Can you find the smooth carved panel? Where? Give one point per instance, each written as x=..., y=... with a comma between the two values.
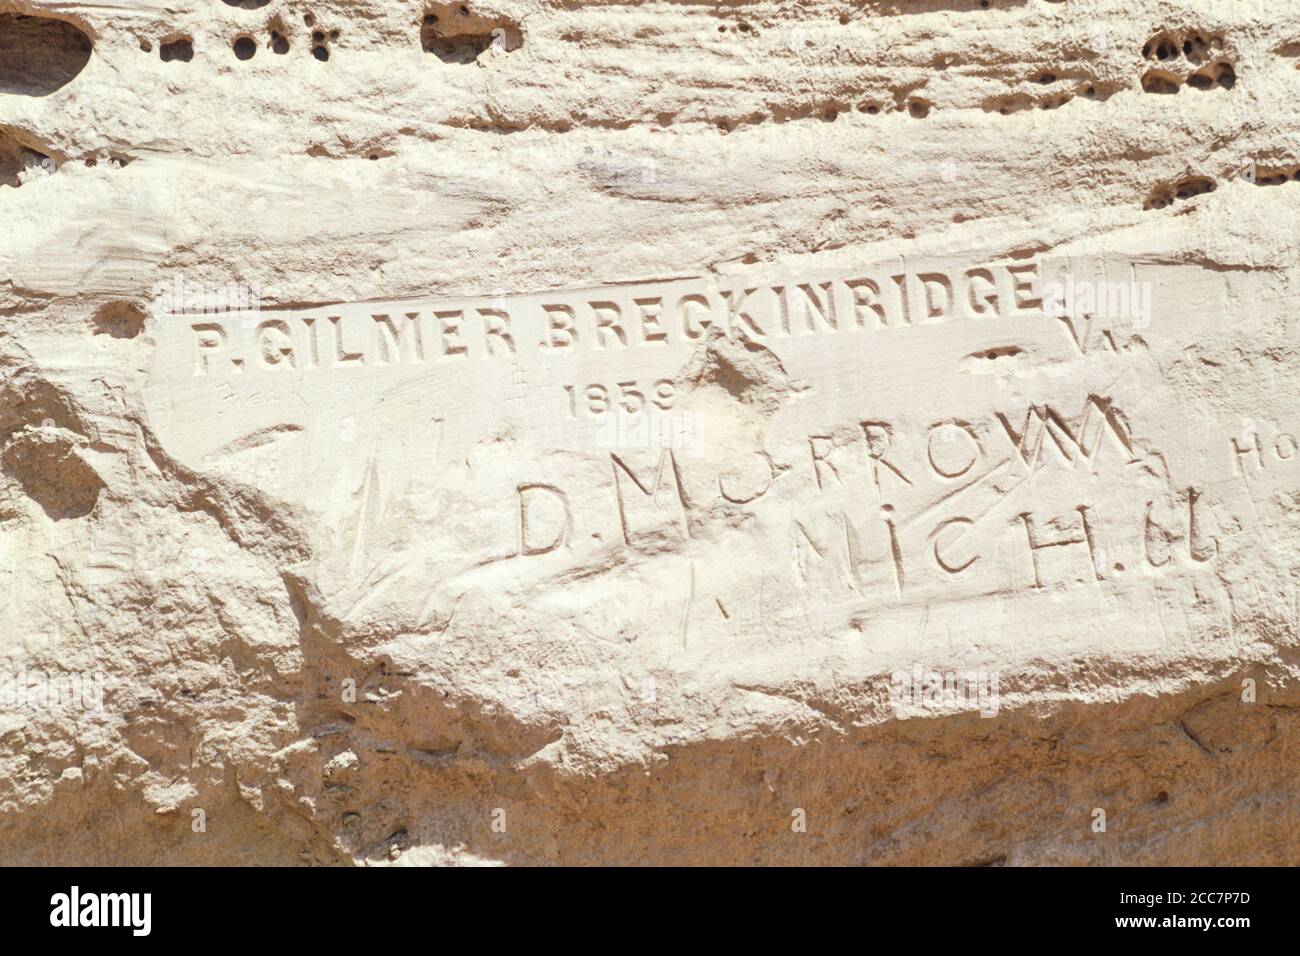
x=894, y=438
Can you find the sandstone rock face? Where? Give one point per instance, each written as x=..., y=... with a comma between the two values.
x=538, y=432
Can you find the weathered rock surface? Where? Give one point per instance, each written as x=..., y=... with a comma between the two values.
x=584, y=432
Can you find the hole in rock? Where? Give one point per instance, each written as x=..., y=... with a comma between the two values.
x=121, y=320
x=278, y=43
x=20, y=160
x=1196, y=48
x=320, y=53
x=1273, y=176
x=39, y=55
x=1006, y=105
x=460, y=36
x=1193, y=186
x=181, y=49
x=246, y=4
x=244, y=48
x=1154, y=81
x=1191, y=45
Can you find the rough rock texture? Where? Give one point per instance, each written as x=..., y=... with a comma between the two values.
x=531, y=431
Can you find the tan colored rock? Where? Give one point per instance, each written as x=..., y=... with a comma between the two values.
x=649, y=433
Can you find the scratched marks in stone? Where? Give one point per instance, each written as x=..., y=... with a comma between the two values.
x=894, y=436
x=1034, y=498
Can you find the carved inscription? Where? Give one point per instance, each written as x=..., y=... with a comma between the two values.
x=616, y=320
x=893, y=436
